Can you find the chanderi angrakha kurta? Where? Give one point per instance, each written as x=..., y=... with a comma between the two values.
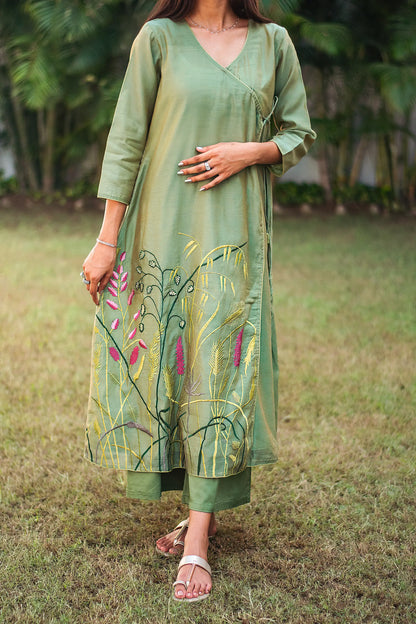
x=184, y=363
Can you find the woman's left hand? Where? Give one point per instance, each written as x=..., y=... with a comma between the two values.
x=225, y=159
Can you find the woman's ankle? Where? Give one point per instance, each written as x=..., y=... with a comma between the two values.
x=212, y=529
x=196, y=544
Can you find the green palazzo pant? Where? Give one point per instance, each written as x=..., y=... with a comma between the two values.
x=199, y=493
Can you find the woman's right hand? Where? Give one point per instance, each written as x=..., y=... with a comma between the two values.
x=98, y=267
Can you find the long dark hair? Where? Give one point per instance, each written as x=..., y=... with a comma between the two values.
x=177, y=10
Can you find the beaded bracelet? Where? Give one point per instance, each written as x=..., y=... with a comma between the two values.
x=105, y=243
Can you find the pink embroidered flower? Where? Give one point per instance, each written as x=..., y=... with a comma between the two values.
x=112, y=291
x=115, y=323
x=123, y=256
x=120, y=269
x=132, y=333
x=115, y=275
x=123, y=287
x=113, y=283
x=134, y=356
x=136, y=316
x=237, y=350
x=130, y=299
x=180, y=367
x=142, y=344
x=114, y=354
x=112, y=304
x=124, y=276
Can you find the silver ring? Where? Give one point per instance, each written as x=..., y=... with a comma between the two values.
x=207, y=166
x=84, y=279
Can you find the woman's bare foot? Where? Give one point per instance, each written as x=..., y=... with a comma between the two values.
x=165, y=543
x=196, y=543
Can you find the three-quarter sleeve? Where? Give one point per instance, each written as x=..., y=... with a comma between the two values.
x=294, y=134
x=127, y=137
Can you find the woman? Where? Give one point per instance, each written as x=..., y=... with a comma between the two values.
x=184, y=369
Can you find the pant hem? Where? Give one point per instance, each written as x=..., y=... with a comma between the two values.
x=218, y=506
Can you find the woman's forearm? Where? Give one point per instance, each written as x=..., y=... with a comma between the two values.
x=266, y=153
x=113, y=216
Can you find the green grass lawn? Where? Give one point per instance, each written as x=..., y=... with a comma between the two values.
x=330, y=533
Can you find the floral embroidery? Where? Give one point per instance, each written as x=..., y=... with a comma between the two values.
x=237, y=350
x=134, y=355
x=114, y=354
x=184, y=407
x=180, y=367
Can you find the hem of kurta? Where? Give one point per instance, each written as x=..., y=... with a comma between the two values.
x=199, y=493
x=258, y=460
x=254, y=461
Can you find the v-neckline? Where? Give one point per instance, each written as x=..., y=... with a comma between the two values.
x=243, y=49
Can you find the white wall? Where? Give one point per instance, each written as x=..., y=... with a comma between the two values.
x=6, y=162
x=305, y=171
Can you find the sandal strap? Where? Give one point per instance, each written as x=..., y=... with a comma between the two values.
x=184, y=583
x=195, y=560
x=183, y=526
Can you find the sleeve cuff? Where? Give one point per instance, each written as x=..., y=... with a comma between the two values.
x=104, y=193
x=292, y=148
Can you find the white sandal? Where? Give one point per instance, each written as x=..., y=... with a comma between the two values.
x=178, y=541
x=194, y=560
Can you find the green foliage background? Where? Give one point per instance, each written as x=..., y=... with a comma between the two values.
x=62, y=63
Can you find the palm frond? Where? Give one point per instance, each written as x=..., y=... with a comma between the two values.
x=403, y=29
x=331, y=38
x=66, y=19
x=398, y=85
x=35, y=78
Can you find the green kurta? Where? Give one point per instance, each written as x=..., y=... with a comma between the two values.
x=184, y=365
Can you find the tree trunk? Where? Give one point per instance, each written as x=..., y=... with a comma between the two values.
x=26, y=166
x=323, y=153
x=341, y=165
x=390, y=163
x=47, y=164
x=19, y=170
x=324, y=177
x=405, y=178
x=25, y=158
x=357, y=161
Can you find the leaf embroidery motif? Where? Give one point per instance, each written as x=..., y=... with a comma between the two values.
x=249, y=353
x=217, y=358
x=167, y=376
x=139, y=370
